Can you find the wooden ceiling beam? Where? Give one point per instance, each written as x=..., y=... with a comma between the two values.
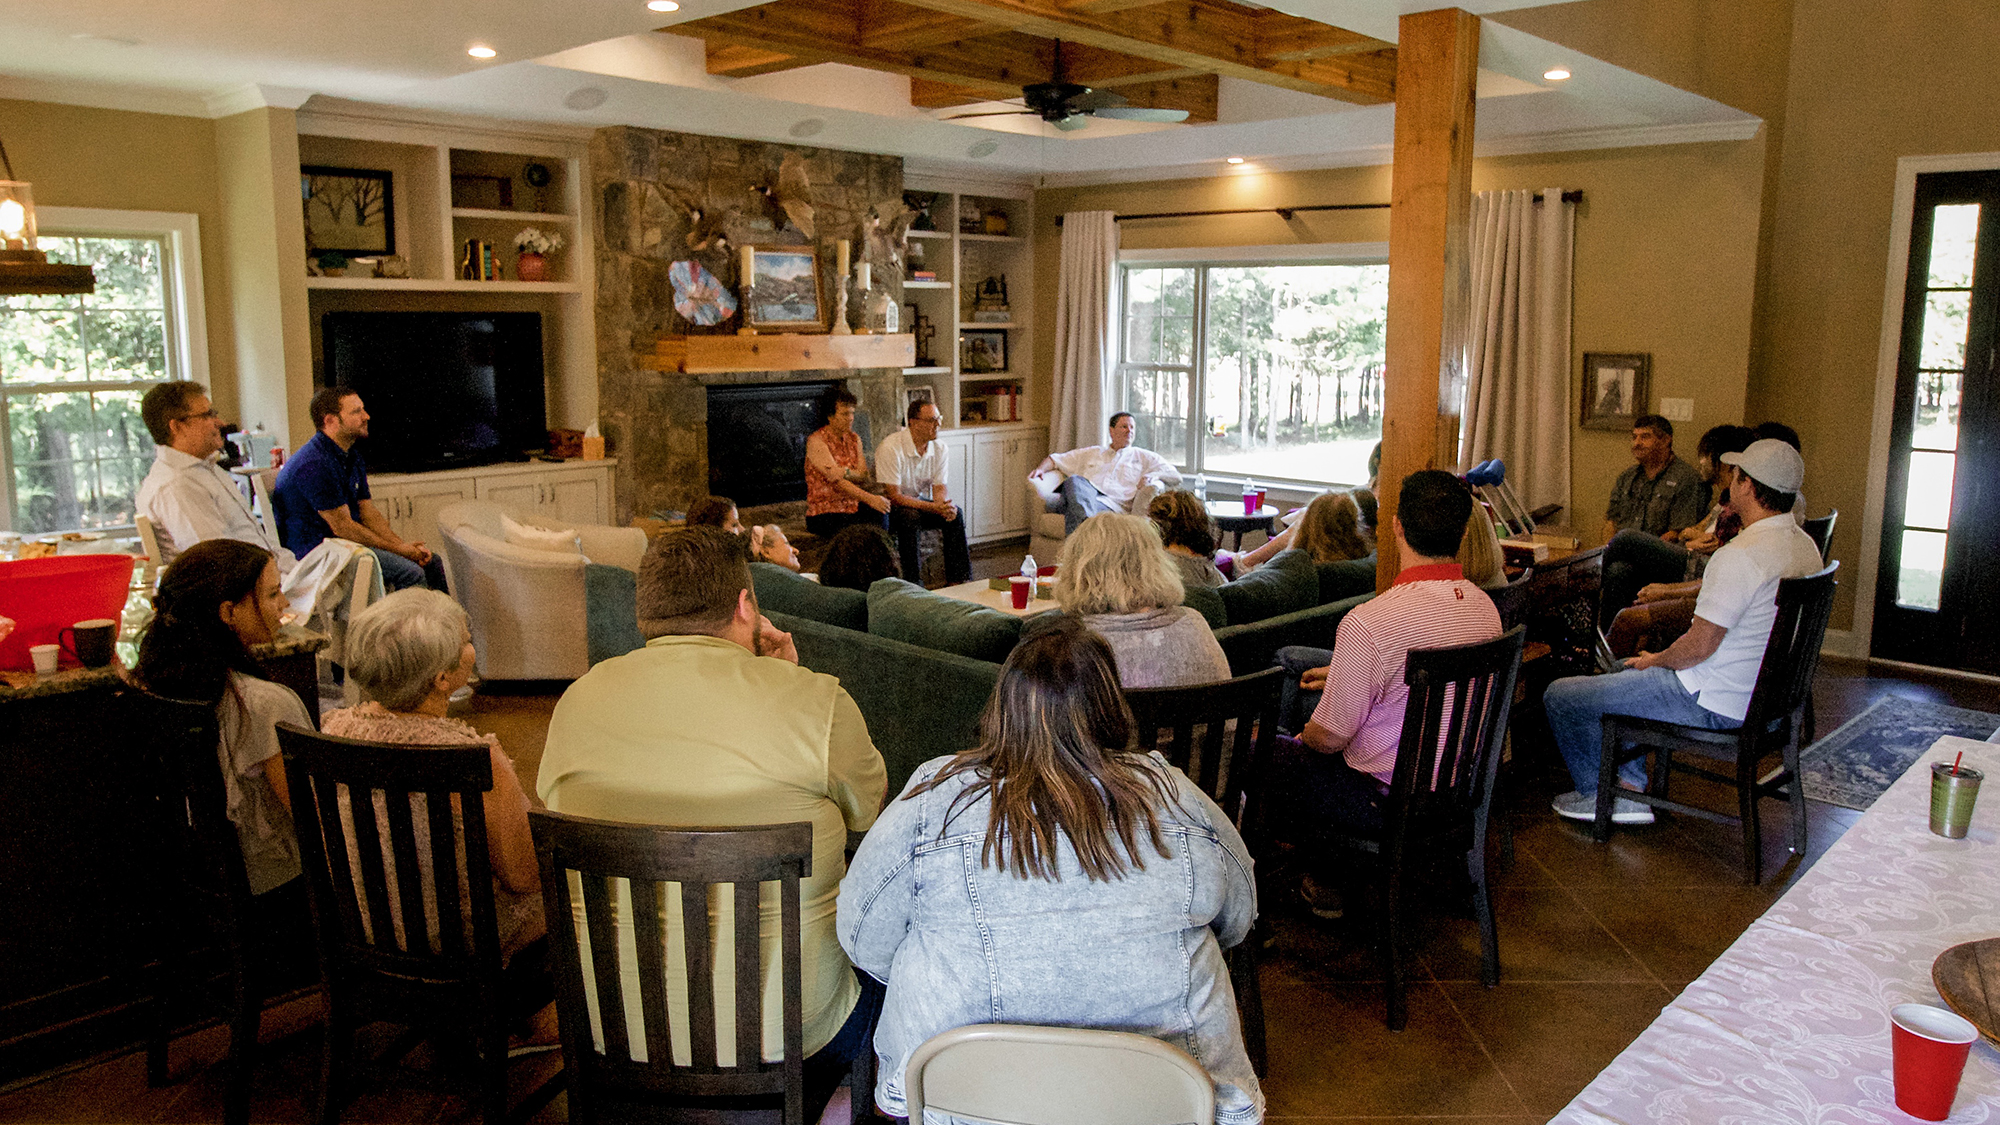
x=996, y=66
x=1100, y=6
x=1195, y=93
x=1193, y=34
x=925, y=94
x=734, y=60
x=1283, y=38
x=903, y=28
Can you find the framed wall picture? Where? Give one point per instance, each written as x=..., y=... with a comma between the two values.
x=983, y=351
x=348, y=210
x=915, y=394
x=784, y=290
x=1614, y=389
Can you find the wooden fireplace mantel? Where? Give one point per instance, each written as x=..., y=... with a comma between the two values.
x=697, y=355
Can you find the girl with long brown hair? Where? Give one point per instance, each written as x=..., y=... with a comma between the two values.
x=1054, y=875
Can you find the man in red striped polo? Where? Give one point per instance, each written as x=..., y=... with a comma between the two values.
x=1359, y=721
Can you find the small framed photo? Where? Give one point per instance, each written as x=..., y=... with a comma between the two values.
x=913, y=395
x=784, y=290
x=983, y=352
x=1614, y=389
x=350, y=211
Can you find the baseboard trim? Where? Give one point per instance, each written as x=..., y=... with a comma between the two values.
x=1926, y=669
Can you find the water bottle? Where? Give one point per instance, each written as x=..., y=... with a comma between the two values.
x=1028, y=567
x=1201, y=487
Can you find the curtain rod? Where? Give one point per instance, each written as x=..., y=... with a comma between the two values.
x=1286, y=213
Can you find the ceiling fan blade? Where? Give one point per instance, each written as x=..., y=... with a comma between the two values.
x=991, y=113
x=1072, y=123
x=1097, y=99
x=1141, y=113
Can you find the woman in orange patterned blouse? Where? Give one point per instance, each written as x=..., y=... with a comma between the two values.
x=836, y=468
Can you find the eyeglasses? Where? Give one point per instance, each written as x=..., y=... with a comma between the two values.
x=210, y=414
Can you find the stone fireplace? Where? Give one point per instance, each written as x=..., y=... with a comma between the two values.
x=647, y=186
x=757, y=440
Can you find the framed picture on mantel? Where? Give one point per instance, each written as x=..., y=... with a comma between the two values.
x=1614, y=389
x=784, y=290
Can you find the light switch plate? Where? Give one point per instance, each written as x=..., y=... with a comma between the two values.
x=1677, y=409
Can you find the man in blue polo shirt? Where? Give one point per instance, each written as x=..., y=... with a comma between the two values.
x=323, y=491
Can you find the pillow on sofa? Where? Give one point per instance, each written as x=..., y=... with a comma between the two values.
x=1288, y=582
x=784, y=591
x=1345, y=579
x=904, y=611
x=1206, y=601
x=539, y=538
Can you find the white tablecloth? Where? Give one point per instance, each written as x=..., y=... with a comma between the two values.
x=1791, y=1024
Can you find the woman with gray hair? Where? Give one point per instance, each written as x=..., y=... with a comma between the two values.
x=408, y=653
x=1116, y=575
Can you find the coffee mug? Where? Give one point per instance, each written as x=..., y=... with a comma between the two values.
x=90, y=641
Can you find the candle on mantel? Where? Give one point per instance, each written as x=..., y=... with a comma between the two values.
x=861, y=277
x=749, y=266
x=840, y=253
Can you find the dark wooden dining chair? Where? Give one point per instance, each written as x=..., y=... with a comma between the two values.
x=204, y=903
x=609, y=1078
x=380, y=959
x=1820, y=529
x=1220, y=735
x=1773, y=725
x=1441, y=794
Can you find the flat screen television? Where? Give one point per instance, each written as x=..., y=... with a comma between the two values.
x=443, y=389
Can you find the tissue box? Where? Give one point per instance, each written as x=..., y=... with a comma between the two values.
x=593, y=448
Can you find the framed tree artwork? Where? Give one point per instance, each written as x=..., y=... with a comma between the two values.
x=349, y=211
x=1614, y=389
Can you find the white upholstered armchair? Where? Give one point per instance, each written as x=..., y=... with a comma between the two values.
x=1046, y=504
x=541, y=612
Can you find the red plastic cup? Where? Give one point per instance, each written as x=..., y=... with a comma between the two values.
x=1023, y=589
x=1930, y=1046
x=1261, y=493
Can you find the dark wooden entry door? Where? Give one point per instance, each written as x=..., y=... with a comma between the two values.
x=1937, y=600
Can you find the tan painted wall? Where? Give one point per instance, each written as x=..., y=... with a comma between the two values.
x=80, y=157
x=1665, y=262
x=258, y=168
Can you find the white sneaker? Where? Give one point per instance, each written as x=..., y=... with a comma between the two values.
x=1575, y=805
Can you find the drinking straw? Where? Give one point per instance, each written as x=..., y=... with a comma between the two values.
x=1955, y=761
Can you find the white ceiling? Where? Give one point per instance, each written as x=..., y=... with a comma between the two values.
x=213, y=57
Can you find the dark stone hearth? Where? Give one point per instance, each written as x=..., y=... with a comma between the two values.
x=657, y=423
x=757, y=440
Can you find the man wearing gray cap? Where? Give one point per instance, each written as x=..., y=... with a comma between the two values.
x=1705, y=678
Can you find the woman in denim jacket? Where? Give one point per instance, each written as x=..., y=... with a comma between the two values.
x=1049, y=876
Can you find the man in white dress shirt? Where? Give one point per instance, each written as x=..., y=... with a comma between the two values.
x=187, y=495
x=1106, y=478
x=910, y=463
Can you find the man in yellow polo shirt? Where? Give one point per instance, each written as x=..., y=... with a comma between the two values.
x=715, y=723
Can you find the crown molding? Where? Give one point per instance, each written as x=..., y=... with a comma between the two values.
x=93, y=95
x=254, y=95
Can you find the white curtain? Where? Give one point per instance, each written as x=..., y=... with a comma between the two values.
x=1517, y=404
x=1085, y=318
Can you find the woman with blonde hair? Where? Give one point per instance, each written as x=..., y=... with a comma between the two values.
x=1189, y=534
x=1116, y=576
x=1479, y=553
x=1056, y=874
x=1331, y=529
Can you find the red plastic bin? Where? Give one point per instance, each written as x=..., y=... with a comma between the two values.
x=44, y=596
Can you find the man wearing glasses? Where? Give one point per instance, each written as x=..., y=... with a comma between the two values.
x=911, y=464
x=186, y=494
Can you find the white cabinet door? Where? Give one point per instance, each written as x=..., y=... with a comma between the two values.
x=421, y=502
x=1015, y=466
x=958, y=476
x=578, y=497
x=989, y=483
x=522, y=495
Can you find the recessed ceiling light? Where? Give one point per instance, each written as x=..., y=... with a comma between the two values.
x=1234, y=160
x=663, y=5
x=586, y=97
x=980, y=150
x=481, y=52
x=1556, y=73
x=808, y=127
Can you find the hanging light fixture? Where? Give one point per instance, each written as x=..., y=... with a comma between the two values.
x=23, y=268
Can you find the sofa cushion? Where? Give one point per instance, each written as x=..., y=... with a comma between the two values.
x=1206, y=601
x=783, y=591
x=904, y=611
x=539, y=538
x=1287, y=583
x=1347, y=578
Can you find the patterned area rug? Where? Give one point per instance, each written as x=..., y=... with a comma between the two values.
x=1853, y=765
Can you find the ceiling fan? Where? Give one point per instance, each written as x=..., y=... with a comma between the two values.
x=1067, y=105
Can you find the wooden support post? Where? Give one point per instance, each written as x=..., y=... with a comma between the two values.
x=1430, y=278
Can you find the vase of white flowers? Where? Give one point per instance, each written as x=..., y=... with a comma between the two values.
x=535, y=246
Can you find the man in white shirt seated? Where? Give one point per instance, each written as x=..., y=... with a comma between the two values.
x=186, y=494
x=1106, y=478
x=910, y=463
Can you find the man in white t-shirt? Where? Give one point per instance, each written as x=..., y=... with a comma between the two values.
x=1706, y=677
x=1106, y=478
x=910, y=464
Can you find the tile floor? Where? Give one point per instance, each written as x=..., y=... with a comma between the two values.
x=1594, y=941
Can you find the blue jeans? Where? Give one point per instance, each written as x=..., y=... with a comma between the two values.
x=1577, y=705
x=1082, y=501
x=1295, y=704
x=1633, y=559
x=399, y=573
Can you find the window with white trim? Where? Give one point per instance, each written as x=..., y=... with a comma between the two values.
x=1264, y=369
x=73, y=368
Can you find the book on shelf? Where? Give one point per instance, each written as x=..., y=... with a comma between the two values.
x=923, y=275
